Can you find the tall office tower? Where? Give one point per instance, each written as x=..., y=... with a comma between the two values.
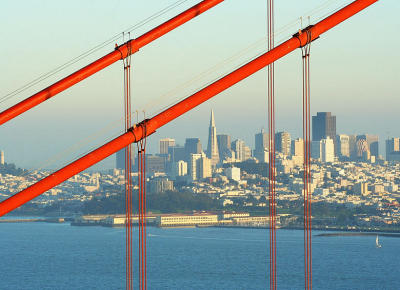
x=193, y=168
x=176, y=153
x=261, y=141
x=362, y=146
x=155, y=163
x=283, y=142
x=224, y=142
x=298, y=147
x=120, y=158
x=353, y=147
x=205, y=165
x=297, y=150
x=192, y=146
x=323, y=126
x=246, y=152
x=212, y=148
x=179, y=168
x=224, y=147
x=372, y=144
x=393, y=149
x=2, y=157
x=238, y=146
x=343, y=146
x=200, y=166
x=327, y=150
x=261, y=146
x=165, y=144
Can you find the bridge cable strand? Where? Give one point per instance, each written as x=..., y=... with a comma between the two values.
x=139, y=154
x=271, y=131
x=140, y=187
x=144, y=201
x=142, y=208
x=128, y=176
x=307, y=158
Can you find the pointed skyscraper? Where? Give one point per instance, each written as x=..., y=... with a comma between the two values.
x=212, y=148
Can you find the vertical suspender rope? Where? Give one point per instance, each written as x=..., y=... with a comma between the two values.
x=144, y=205
x=271, y=137
x=307, y=161
x=139, y=216
x=128, y=176
x=142, y=210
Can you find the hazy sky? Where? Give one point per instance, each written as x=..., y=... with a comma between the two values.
x=355, y=72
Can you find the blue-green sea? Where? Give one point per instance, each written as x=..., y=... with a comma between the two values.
x=60, y=256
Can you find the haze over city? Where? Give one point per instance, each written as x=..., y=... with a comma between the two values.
x=358, y=85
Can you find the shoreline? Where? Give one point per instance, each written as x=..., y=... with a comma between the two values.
x=345, y=230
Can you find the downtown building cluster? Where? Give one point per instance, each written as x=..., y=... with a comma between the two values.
x=191, y=162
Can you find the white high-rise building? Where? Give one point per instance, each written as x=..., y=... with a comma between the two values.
x=2, y=157
x=212, y=148
x=205, y=165
x=297, y=149
x=327, y=150
x=179, y=168
x=193, y=172
x=343, y=146
x=200, y=166
x=242, y=152
x=283, y=142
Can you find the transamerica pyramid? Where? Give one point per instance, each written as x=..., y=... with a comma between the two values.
x=212, y=148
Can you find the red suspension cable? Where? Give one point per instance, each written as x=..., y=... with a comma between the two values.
x=307, y=160
x=271, y=137
x=128, y=176
x=142, y=212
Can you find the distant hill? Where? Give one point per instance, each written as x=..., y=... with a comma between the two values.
x=10, y=168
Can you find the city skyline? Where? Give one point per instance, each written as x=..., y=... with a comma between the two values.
x=342, y=147
x=156, y=146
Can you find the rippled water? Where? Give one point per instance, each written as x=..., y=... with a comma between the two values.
x=60, y=256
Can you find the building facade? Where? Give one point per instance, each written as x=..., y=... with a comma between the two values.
x=165, y=144
x=393, y=149
x=212, y=147
x=283, y=143
x=343, y=146
x=323, y=126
